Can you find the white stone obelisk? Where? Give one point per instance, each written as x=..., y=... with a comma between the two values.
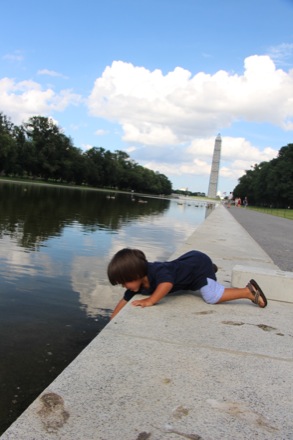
x=214, y=176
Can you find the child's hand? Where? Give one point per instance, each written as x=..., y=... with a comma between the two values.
x=143, y=302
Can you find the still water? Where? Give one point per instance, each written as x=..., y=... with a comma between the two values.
x=55, y=244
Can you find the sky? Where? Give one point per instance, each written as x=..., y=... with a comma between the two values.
x=158, y=79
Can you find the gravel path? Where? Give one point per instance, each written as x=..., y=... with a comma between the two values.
x=273, y=234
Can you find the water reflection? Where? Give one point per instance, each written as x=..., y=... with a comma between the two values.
x=56, y=236
x=30, y=214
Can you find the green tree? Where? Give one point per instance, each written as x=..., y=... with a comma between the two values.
x=280, y=179
x=7, y=145
x=94, y=166
x=39, y=149
x=269, y=183
x=49, y=144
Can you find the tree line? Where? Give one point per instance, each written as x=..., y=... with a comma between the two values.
x=38, y=149
x=269, y=183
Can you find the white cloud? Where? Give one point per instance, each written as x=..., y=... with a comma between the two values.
x=169, y=121
x=241, y=149
x=21, y=262
x=23, y=99
x=51, y=73
x=237, y=155
x=88, y=278
x=282, y=53
x=100, y=132
x=195, y=167
x=16, y=56
x=86, y=147
x=171, y=109
x=130, y=150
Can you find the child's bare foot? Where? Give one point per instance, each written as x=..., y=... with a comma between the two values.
x=258, y=295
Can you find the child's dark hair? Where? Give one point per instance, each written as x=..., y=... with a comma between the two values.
x=127, y=265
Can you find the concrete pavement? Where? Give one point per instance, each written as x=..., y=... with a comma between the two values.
x=181, y=369
x=273, y=234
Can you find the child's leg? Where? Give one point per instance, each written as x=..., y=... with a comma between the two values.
x=215, y=293
x=252, y=291
x=232, y=293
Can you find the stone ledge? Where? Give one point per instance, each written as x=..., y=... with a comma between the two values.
x=276, y=284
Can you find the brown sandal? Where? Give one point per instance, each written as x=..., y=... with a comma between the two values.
x=257, y=292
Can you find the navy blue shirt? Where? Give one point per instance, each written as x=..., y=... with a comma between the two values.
x=188, y=272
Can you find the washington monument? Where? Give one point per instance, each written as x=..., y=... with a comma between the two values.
x=214, y=177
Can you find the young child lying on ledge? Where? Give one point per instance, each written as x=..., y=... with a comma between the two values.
x=192, y=271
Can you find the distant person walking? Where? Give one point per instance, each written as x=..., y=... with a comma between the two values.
x=230, y=198
x=245, y=202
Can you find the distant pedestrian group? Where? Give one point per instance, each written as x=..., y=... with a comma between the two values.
x=237, y=201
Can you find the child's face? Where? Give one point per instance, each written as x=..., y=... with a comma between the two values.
x=134, y=286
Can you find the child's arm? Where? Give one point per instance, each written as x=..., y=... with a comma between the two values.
x=118, y=307
x=162, y=290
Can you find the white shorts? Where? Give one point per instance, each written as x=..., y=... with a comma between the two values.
x=212, y=292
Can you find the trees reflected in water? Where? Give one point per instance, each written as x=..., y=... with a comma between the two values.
x=30, y=213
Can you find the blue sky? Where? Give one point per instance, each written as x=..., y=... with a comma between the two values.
x=158, y=79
